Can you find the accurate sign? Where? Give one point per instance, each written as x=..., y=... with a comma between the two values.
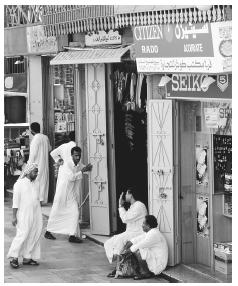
x=192, y=86
x=198, y=48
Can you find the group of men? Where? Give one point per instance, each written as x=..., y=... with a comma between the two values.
x=31, y=191
x=142, y=246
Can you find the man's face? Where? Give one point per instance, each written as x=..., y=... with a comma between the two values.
x=128, y=197
x=145, y=226
x=33, y=174
x=76, y=157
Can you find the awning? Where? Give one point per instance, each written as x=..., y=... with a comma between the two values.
x=89, y=56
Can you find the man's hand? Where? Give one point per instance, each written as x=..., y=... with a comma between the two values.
x=87, y=168
x=60, y=162
x=14, y=221
x=121, y=201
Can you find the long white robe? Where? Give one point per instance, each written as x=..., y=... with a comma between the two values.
x=153, y=248
x=64, y=215
x=39, y=154
x=133, y=218
x=29, y=220
x=63, y=152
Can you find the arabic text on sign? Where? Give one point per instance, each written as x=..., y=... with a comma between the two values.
x=180, y=31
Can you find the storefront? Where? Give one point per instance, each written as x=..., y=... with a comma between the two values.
x=110, y=121
x=23, y=92
x=189, y=137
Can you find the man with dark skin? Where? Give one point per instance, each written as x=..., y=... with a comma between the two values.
x=64, y=214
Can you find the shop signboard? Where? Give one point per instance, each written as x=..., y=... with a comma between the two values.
x=38, y=42
x=199, y=86
x=103, y=38
x=195, y=48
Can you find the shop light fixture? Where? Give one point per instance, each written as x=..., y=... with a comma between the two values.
x=164, y=80
x=19, y=61
x=207, y=82
x=204, y=7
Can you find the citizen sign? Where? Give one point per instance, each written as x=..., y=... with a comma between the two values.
x=188, y=82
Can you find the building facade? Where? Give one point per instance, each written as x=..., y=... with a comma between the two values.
x=147, y=90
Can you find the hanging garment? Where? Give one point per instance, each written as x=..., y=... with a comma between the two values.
x=138, y=89
x=132, y=86
x=143, y=94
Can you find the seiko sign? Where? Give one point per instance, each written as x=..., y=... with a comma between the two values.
x=199, y=86
x=189, y=82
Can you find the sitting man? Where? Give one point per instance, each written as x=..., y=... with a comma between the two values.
x=133, y=218
x=147, y=254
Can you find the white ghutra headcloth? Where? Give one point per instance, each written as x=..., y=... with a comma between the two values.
x=29, y=168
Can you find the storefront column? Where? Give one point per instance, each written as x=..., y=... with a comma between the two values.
x=78, y=119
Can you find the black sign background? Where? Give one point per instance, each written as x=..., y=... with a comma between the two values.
x=222, y=151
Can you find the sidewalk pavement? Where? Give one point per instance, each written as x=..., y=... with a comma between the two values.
x=178, y=274
x=65, y=262
x=61, y=261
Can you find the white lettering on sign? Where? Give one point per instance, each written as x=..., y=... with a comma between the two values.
x=150, y=49
x=181, y=31
x=225, y=112
x=188, y=82
x=193, y=48
x=148, y=32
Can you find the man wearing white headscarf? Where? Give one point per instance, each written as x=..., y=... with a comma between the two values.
x=27, y=218
x=39, y=153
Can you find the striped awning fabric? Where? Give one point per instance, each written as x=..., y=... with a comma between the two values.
x=89, y=56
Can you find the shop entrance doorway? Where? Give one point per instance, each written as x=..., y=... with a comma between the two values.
x=130, y=132
x=195, y=186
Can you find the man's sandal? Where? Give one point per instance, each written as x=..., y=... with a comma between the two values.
x=14, y=263
x=31, y=262
x=112, y=274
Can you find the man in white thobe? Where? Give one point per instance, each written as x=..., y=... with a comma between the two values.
x=133, y=218
x=150, y=248
x=63, y=154
x=64, y=215
x=27, y=218
x=39, y=154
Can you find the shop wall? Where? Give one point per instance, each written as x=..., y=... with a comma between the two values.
x=10, y=46
x=35, y=90
x=155, y=92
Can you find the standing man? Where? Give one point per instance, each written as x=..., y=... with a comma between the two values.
x=39, y=153
x=64, y=215
x=27, y=218
x=133, y=218
x=63, y=153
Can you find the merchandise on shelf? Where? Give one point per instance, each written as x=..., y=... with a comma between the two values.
x=223, y=257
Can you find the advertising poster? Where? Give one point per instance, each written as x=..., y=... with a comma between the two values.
x=201, y=166
x=202, y=216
